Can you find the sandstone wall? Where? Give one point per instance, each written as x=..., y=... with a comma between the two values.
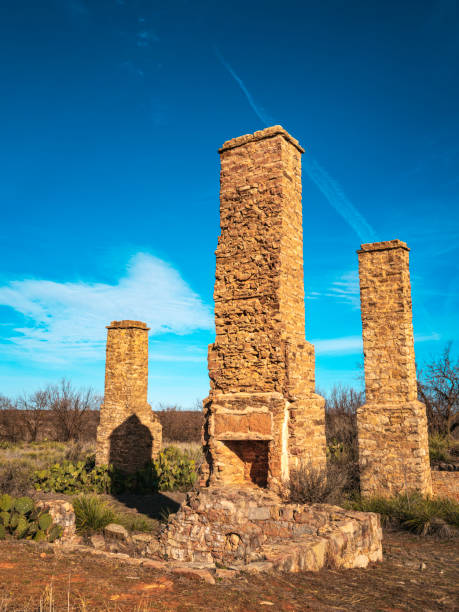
x=446, y=484
x=260, y=362
x=392, y=425
x=129, y=434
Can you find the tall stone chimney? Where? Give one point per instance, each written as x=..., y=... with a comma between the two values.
x=262, y=415
x=392, y=425
x=129, y=434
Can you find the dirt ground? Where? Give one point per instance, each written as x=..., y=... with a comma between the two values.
x=418, y=573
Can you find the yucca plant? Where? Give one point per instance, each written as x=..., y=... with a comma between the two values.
x=413, y=511
x=92, y=513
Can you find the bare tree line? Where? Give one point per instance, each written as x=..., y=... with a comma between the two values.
x=61, y=406
x=67, y=411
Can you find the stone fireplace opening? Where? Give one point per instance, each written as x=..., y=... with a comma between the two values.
x=249, y=460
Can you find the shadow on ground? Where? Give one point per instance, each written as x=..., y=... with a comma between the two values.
x=157, y=506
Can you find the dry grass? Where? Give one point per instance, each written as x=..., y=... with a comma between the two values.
x=309, y=485
x=18, y=461
x=48, y=602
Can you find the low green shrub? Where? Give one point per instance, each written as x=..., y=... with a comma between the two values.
x=92, y=513
x=413, y=512
x=68, y=477
x=439, y=448
x=172, y=470
x=135, y=522
x=21, y=519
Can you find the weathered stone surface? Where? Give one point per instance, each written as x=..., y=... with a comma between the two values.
x=196, y=574
x=262, y=415
x=63, y=515
x=129, y=433
x=97, y=541
x=446, y=484
x=392, y=425
x=242, y=527
x=112, y=530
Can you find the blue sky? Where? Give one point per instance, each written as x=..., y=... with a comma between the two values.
x=112, y=113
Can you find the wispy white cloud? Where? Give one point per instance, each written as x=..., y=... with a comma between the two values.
x=347, y=345
x=66, y=321
x=333, y=192
x=346, y=289
x=352, y=345
x=329, y=188
x=427, y=337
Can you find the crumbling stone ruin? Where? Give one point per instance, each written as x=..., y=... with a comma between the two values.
x=262, y=414
x=392, y=425
x=129, y=434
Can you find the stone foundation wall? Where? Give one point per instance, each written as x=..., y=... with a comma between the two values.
x=446, y=484
x=129, y=434
x=244, y=527
x=392, y=425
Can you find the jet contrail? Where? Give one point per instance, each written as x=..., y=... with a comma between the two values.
x=334, y=194
x=264, y=118
x=320, y=177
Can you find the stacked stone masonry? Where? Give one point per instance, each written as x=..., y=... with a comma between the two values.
x=446, y=484
x=260, y=366
x=129, y=434
x=252, y=528
x=392, y=425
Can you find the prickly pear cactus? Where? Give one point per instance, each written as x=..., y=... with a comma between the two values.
x=54, y=533
x=21, y=519
x=6, y=502
x=14, y=518
x=45, y=521
x=40, y=536
x=22, y=528
x=24, y=505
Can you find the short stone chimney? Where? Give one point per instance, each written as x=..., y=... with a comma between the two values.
x=129, y=434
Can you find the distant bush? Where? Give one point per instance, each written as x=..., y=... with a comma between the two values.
x=438, y=389
x=423, y=515
x=181, y=425
x=20, y=518
x=15, y=478
x=439, y=448
x=309, y=485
